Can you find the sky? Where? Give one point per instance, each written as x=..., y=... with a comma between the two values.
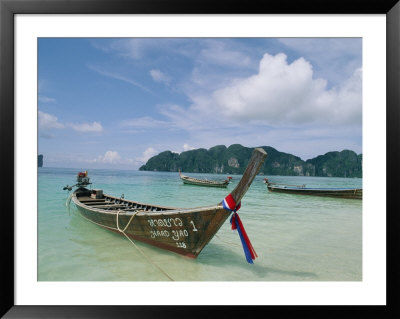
x=115, y=102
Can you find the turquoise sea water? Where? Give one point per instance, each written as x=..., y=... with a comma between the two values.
x=297, y=238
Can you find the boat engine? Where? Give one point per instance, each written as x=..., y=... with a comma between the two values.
x=82, y=179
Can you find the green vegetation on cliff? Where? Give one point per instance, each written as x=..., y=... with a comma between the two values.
x=338, y=164
x=234, y=159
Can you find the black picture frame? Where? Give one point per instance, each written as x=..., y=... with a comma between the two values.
x=8, y=10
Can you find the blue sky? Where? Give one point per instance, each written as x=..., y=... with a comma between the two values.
x=115, y=102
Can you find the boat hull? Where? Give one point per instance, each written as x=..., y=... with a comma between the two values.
x=205, y=183
x=183, y=231
x=354, y=193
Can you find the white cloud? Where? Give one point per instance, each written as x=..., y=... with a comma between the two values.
x=278, y=94
x=282, y=93
x=138, y=48
x=48, y=121
x=277, y=98
x=94, y=127
x=145, y=122
x=46, y=99
x=147, y=154
x=333, y=58
x=192, y=119
x=110, y=157
x=160, y=77
x=119, y=77
x=218, y=53
x=326, y=48
x=187, y=147
x=131, y=48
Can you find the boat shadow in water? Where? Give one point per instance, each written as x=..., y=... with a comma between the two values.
x=99, y=244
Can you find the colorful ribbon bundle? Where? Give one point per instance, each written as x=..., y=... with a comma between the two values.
x=230, y=205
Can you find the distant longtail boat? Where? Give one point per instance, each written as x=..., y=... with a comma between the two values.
x=353, y=193
x=204, y=182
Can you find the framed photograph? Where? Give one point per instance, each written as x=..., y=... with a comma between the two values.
x=127, y=97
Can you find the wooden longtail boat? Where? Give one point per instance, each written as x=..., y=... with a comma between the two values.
x=185, y=231
x=353, y=193
x=203, y=182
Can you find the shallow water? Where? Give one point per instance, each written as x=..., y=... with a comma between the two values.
x=297, y=238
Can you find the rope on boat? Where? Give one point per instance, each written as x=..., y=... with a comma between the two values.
x=68, y=201
x=122, y=231
x=141, y=251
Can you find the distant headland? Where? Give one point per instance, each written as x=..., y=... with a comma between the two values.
x=40, y=160
x=233, y=160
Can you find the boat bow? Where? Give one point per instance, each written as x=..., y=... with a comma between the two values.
x=253, y=167
x=232, y=202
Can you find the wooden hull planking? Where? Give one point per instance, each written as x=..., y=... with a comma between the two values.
x=183, y=231
x=198, y=182
x=354, y=193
